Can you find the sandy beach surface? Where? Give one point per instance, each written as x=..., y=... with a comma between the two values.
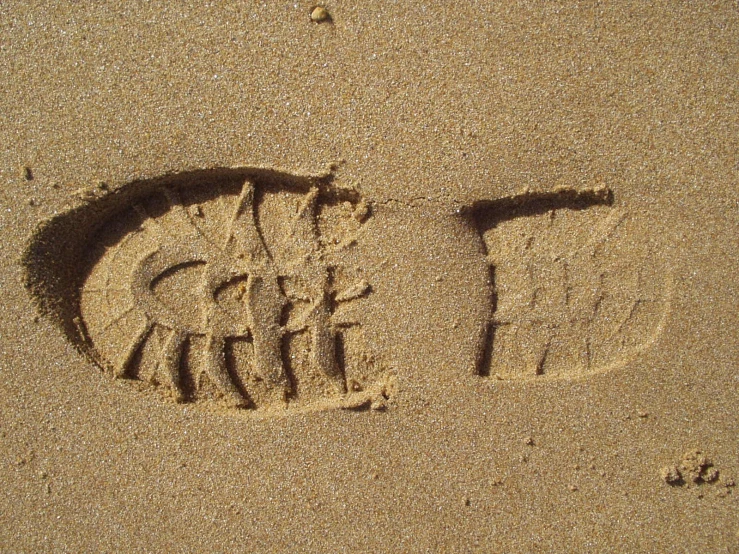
x=377, y=277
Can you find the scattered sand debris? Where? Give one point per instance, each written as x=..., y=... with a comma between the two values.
x=528, y=441
x=320, y=14
x=694, y=467
x=671, y=475
x=710, y=475
x=726, y=486
x=642, y=414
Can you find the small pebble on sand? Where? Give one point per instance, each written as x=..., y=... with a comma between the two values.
x=319, y=14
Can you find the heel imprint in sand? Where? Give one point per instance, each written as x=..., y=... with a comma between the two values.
x=240, y=287
x=575, y=288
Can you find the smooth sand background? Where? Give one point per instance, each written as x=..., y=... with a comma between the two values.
x=430, y=106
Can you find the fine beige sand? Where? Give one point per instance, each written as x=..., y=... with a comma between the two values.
x=375, y=277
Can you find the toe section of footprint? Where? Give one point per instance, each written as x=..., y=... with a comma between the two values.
x=225, y=287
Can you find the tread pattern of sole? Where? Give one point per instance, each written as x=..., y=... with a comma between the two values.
x=233, y=293
x=243, y=287
x=574, y=289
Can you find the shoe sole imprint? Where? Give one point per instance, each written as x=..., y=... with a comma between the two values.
x=575, y=289
x=224, y=286
x=234, y=287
